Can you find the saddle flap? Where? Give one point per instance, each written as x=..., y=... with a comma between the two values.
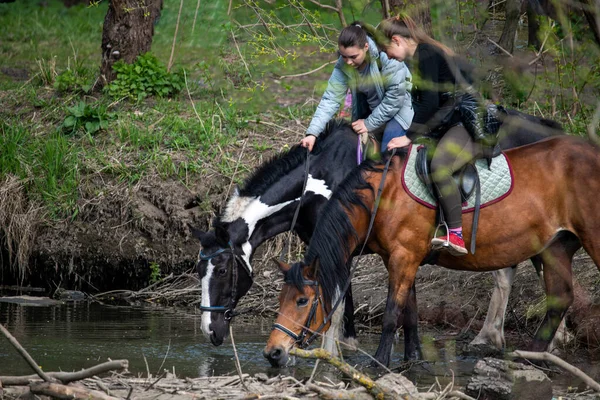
x=422, y=168
x=466, y=179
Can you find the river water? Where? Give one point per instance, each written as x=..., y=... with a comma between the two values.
x=79, y=335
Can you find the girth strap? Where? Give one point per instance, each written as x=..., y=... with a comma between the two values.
x=476, y=212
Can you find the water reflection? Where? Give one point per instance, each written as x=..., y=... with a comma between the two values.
x=80, y=335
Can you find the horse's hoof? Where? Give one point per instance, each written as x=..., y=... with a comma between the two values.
x=349, y=343
x=415, y=355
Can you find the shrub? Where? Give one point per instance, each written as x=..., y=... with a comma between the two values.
x=82, y=115
x=145, y=77
x=69, y=81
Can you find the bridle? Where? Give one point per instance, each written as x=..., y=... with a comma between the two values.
x=299, y=339
x=228, y=311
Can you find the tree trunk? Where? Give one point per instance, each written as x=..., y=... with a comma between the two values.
x=533, y=28
x=417, y=9
x=127, y=33
x=507, y=39
x=591, y=10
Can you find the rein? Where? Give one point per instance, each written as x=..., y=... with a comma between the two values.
x=286, y=248
x=299, y=339
x=228, y=310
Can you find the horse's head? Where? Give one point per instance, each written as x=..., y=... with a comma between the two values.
x=302, y=311
x=225, y=279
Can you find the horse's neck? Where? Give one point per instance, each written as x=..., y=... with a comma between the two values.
x=271, y=213
x=258, y=221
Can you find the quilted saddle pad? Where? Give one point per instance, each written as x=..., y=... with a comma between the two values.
x=496, y=182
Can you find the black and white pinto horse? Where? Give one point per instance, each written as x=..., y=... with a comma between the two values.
x=265, y=206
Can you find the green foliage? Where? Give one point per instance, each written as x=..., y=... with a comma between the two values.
x=154, y=272
x=70, y=81
x=84, y=116
x=145, y=77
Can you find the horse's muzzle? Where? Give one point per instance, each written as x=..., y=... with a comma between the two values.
x=277, y=356
x=216, y=340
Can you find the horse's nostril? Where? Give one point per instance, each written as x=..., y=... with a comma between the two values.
x=276, y=354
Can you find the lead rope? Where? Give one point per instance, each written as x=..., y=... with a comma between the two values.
x=286, y=248
x=371, y=223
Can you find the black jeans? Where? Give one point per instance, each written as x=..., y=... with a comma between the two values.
x=454, y=150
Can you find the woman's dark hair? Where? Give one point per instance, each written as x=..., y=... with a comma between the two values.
x=405, y=26
x=353, y=35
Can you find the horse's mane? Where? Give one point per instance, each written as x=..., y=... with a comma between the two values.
x=281, y=164
x=329, y=244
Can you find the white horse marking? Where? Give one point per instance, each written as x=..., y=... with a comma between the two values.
x=236, y=206
x=206, y=299
x=252, y=210
x=318, y=186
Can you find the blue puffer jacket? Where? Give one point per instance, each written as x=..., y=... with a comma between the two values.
x=392, y=82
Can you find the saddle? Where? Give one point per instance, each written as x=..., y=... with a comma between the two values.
x=467, y=180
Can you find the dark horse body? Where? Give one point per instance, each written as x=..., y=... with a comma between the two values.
x=266, y=204
x=551, y=212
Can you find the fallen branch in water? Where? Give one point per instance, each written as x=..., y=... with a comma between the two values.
x=66, y=377
x=545, y=356
x=183, y=289
x=351, y=372
x=25, y=355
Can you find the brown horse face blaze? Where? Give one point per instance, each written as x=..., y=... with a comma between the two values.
x=300, y=315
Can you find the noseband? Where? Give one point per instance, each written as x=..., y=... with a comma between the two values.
x=228, y=310
x=299, y=339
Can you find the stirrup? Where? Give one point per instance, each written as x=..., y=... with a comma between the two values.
x=447, y=242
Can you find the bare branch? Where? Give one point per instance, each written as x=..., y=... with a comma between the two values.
x=309, y=72
x=26, y=356
x=324, y=5
x=175, y=37
x=545, y=356
x=351, y=372
x=59, y=391
x=66, y=377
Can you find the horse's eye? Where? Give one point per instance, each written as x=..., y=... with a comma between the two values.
x=302, y=302
x=222, y=272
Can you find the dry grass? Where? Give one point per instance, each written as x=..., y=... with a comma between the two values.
x=18, y=224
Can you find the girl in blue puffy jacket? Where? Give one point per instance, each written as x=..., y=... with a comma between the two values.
x=380, y=88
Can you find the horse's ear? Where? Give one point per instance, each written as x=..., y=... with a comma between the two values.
x=310, y=270
x=197, y=233
x=221, y=234
x=283, y=267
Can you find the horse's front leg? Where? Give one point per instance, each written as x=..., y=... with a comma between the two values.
x=349, y=334
x=402, y=268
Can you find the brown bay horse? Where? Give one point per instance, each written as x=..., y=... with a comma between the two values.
x=551, y=212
